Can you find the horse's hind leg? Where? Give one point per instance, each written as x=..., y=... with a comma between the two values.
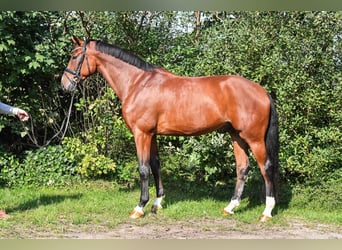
x=242, y=168
x=155, y=167
x=259, y=151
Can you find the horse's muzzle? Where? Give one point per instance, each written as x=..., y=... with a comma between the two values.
x=68, y=84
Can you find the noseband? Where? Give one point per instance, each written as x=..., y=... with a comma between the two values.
x=77, y=73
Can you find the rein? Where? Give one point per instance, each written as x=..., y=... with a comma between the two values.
x=65, y=125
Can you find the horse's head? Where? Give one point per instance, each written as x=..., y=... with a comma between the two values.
x=76, y=70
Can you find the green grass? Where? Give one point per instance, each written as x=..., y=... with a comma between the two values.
x=100, y=206
x=57, y=210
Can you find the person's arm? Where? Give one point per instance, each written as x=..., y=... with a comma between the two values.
x=7, y=109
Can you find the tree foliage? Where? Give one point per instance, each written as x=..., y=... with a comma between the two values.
x=32, y=50
x=296, y=56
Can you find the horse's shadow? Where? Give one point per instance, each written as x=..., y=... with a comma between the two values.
x=254, y=192
x=43, y=200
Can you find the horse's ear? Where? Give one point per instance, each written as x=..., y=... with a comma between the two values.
x=75, y=40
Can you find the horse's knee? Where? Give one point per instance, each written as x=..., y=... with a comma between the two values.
x=144, y=171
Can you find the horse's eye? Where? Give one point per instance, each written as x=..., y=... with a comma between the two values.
x=74, y=57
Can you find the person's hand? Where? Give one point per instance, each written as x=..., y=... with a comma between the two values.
x=23, y=116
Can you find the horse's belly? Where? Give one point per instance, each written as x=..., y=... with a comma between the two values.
x=185, y=123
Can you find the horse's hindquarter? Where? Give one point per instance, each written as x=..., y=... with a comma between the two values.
x=191, y=106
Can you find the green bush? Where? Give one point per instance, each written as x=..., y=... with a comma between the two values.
x=9, y=164
x=89, y=163
x=207, y=158
x=103, y=124
x=42, y=167
x=106, y=135
x=127, y=174
x=326, y=196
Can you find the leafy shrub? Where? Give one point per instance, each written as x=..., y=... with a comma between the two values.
x=43, y=167
x=127, y=173
x=8, y=165
x=89, y=163
x=102, y=121
x=62, y=165
x=208, y=158
x=106, y=134
x=326, y=196
x=92, y=165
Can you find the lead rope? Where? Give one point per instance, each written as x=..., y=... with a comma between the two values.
x=65, y=125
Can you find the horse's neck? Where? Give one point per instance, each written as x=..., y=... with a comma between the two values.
x=118, y=74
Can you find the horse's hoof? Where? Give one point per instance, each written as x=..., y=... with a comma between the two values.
x=225, y=212
x=155, y=208
x=264, y=218
x=135, y=214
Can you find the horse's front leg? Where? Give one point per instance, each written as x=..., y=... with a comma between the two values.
x=155, y=166
x=143, y=145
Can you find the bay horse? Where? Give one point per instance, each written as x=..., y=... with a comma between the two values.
x=158, y=102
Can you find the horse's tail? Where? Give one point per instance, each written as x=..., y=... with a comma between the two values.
x=272, y=146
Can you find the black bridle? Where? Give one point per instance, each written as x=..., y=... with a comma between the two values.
x=77, y=73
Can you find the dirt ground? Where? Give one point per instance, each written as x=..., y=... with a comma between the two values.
x=206, y=229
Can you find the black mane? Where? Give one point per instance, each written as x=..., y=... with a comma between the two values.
x=123, y=55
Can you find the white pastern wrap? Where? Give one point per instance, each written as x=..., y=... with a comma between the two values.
x=139, y=209
x=157, y=202
x=233, y=204
x=270, y=203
